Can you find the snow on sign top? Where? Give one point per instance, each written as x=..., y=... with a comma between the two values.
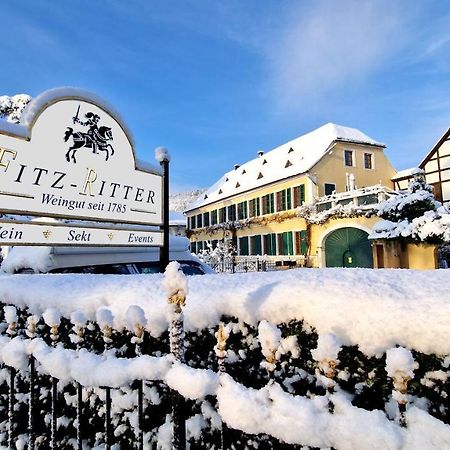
x=72, y=157
x=293, y=158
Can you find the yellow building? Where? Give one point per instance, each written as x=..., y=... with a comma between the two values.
x=278, y=203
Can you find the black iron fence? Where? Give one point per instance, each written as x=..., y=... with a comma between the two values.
x=239, y=264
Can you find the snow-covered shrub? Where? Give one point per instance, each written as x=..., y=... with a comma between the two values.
x=413, y=216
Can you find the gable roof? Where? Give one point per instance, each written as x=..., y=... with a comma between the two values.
x=302, y=153
x=429, y=155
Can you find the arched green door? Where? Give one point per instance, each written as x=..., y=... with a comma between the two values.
x=348, y=247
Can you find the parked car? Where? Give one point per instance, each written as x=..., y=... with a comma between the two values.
x=101, y=260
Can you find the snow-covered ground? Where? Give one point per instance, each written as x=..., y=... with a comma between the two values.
x=374, y=309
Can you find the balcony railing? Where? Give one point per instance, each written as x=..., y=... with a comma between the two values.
x=364, y=198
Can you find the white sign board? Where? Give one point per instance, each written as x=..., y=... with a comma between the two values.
x=51, y=234
x=73, y=159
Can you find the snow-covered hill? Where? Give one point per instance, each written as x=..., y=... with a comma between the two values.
x=180, y=200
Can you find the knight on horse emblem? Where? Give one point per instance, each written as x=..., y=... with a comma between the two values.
x=96, y=137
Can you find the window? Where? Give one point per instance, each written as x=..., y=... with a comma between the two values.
x=268, y=206
x=329, y=188
x=231, y=213
x=301, y=243
x=270, y=244
x=242, y=210
x=192, y=222
x=368, y=160
x=255, y=245
x=206, y=219
x=214, y=217
x=299, y=195
x=255, y=209
x=284, y=201
x=222, y=215
x=243, y=246
x=285, y=243
x=199, y=221
x=348, y=157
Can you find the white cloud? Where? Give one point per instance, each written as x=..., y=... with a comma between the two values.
x=332, y=44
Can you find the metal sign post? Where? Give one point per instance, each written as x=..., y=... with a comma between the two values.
x=164, y=251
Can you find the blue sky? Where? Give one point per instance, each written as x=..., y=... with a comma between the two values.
x=217, y=81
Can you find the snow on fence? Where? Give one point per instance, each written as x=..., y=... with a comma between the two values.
x=349, y=359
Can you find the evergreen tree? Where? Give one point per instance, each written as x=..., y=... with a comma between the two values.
x=409, y=205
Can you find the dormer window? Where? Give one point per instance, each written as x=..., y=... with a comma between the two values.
x=288, y=164
x=290, y=150
x=260, y=175
x=265, y=161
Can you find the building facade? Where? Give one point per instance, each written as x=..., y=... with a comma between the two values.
x=265, y=205
x=436, y=166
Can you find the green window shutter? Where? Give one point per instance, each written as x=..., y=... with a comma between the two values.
x=270, y=241
x=304, y=242
x=302, y=194
x=273, y=237
x=214, y=217
x=287, y=243
x=271, y=202
x=243, y=246
x=255, y=243
x=206, y=219
x=288, y=199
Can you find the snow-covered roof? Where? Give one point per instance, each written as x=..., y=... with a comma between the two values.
x=293, y=158
x=407, y=173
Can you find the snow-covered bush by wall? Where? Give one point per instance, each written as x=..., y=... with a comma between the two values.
x=313, y=357
x=414, y=216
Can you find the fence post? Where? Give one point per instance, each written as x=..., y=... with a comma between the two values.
x=79, y=321
x=52, y=318
x=31, y=333
x=105, y=321
x=11, y=319
x=136, y=322
x=175, y=283
x=221, y=352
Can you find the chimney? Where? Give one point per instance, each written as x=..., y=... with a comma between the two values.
x=260, y=153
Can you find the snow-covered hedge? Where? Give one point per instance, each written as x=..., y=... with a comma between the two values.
x=314, y=357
